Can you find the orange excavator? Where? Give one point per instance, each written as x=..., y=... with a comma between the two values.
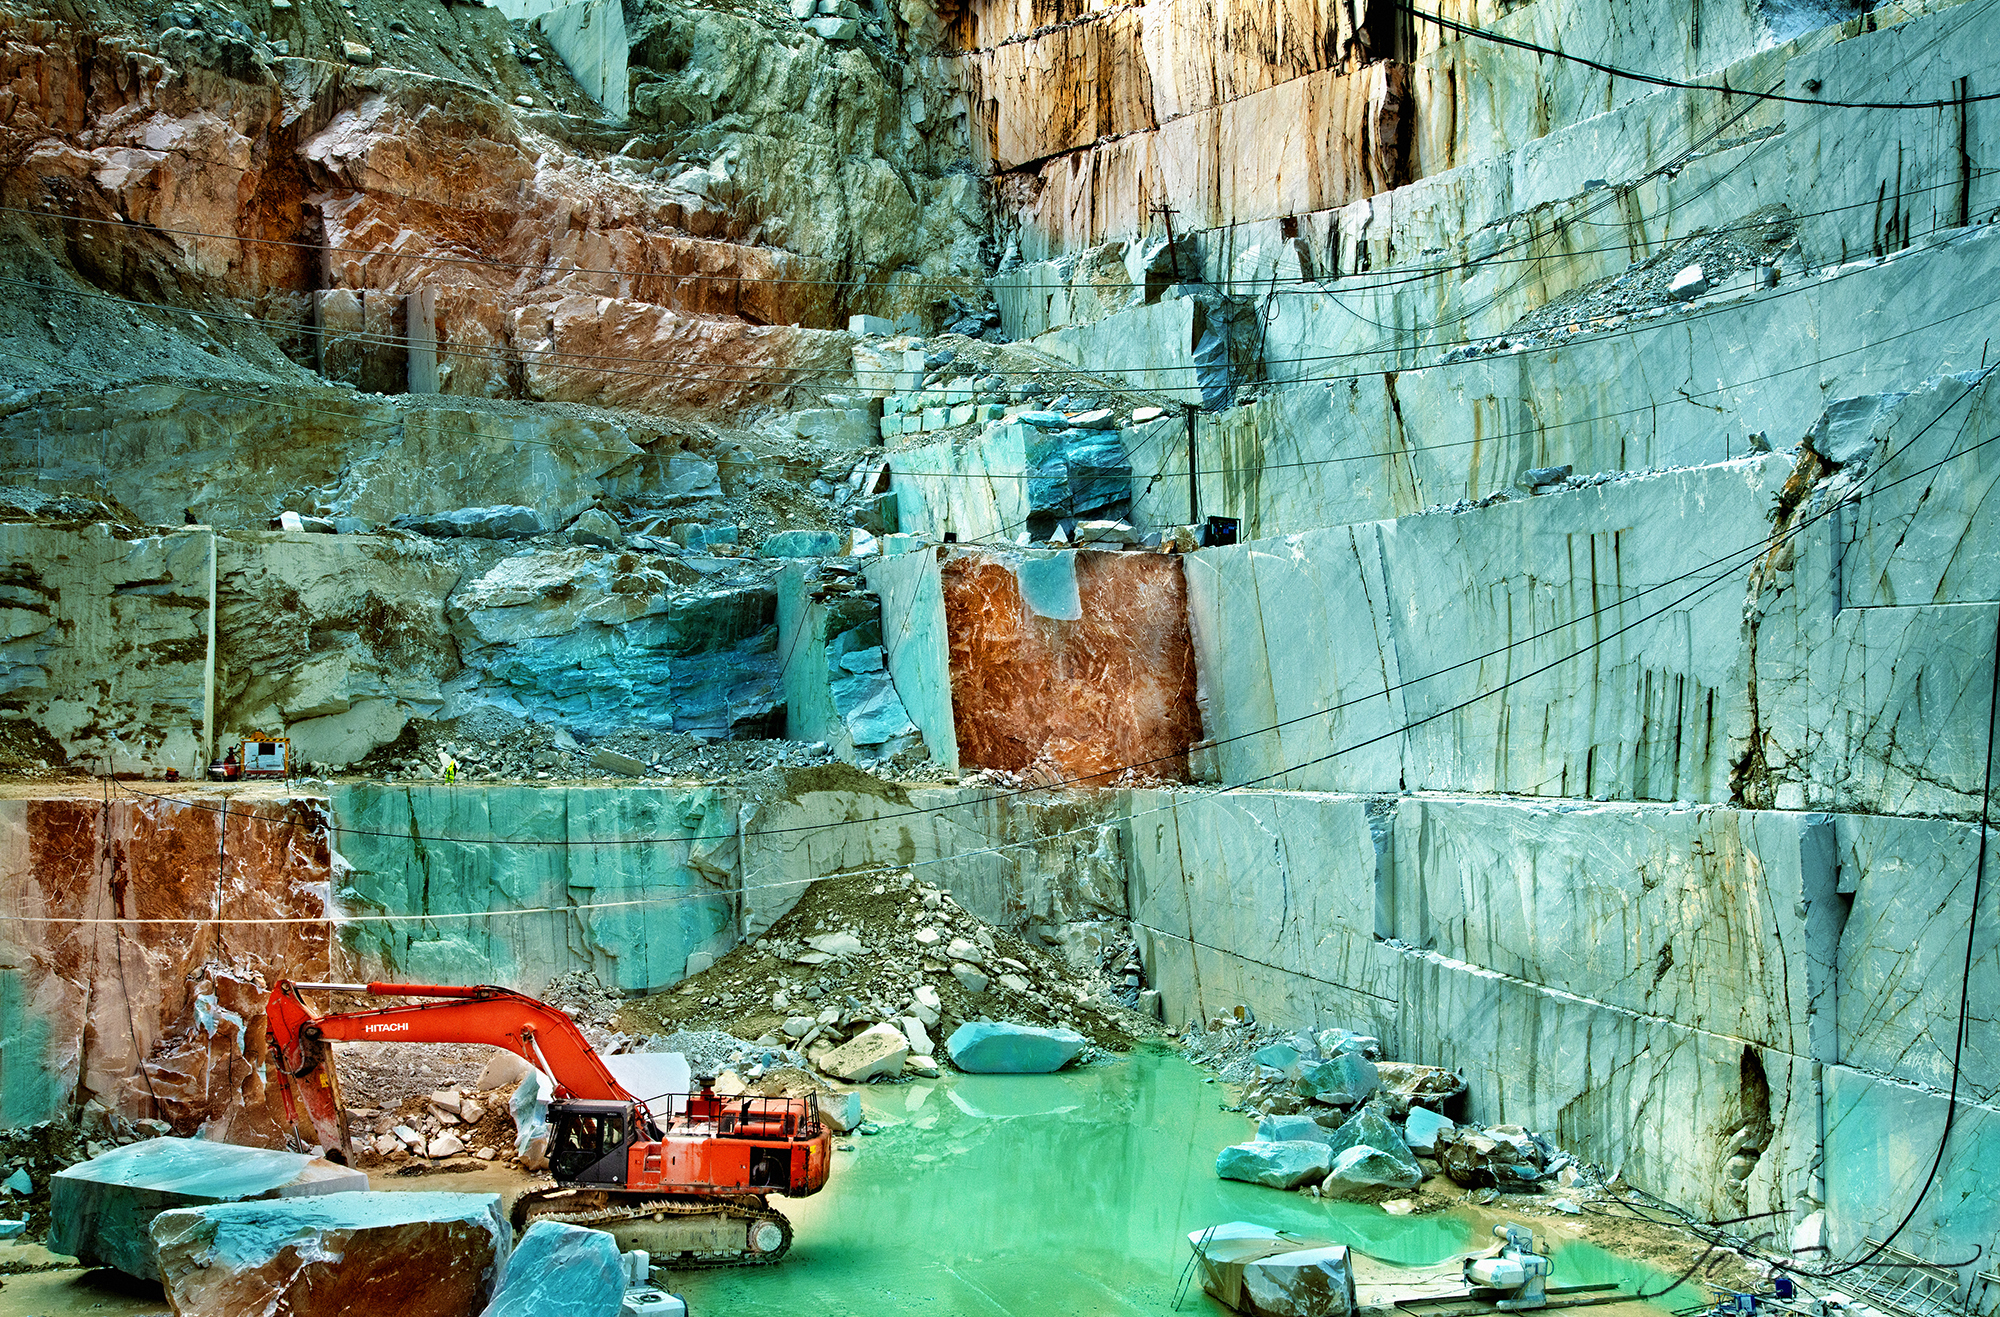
x=689, y=1183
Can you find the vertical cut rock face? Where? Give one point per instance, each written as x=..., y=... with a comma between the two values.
x=102, y=1210
x=407, y=1254
x=761, y=170
x=1080, y=676
x=1222, y=112
x=153, y=1018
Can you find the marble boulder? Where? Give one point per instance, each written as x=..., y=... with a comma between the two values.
x=877, y=1051
x=1344, y=1081
x=1289, y=1129
x=986, y=1048
x=561, y=1270
x=411, y=1254
x=101, y=1209
x=1363, y=1172
x=1284, y=1165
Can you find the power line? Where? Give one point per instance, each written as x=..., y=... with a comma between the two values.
x=1722, y=567
x=1656, y=80
x=1173, y=805
x=408, y=418
x=796, y=376
x=1388, y=276
x=1964, y=985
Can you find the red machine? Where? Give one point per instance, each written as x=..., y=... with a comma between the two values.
x=689, y=1185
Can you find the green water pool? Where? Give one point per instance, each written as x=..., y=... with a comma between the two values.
x=1039, y=1195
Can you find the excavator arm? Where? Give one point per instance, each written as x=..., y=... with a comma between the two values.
x=538, y=1033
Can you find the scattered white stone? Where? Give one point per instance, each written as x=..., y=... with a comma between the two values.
x=836, y=29
x=836, y=944
x=445, y=1145
x=877, y=1050
x=1688, y=284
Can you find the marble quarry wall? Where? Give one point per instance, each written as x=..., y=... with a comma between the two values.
x=697, y=265
x=171, y=916
x=1572, y=616
x=1595, y=698
x=139, y=939
x=135, y=651
x=1744, y=1010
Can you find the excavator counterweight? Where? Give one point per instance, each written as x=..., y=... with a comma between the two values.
x=689, y=1182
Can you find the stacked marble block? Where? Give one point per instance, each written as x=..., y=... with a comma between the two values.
x=944, y=406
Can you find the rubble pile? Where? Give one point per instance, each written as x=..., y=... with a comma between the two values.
x=1337, y=1120
x=528, y=751
x=30, y=1158
x=712, y=1052
x=861, y=957
x=441, y=1125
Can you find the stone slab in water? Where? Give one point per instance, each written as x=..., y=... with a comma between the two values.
x=986, y=1048
x=1276, y=1165
x=561, y=1270
x=1308, y=1282
x=101, y=1208
x=405, y=1254
x=1253, y=1269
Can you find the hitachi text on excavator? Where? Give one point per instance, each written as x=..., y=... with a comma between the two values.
x=687, y=1177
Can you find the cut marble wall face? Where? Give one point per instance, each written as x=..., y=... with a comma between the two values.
x=1074, y=663
x=1566, y=957
x=154, y=1018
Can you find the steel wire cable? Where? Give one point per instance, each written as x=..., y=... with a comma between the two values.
x=1723, y=569
x=406, y=419
x=1658, y=80
x=795, y=376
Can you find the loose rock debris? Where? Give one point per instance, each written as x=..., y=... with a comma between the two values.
x=858, y=952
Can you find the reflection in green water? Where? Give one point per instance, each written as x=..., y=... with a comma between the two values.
x=1032, y=1196
x=1578, y=1263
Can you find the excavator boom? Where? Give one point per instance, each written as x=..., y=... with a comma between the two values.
x=538, y=1033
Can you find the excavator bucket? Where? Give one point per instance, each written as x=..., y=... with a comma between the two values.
x=313, y=1110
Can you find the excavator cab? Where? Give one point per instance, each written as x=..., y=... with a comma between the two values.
x=590, y=1141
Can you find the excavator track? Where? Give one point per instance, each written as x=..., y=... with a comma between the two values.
x=678, y=1232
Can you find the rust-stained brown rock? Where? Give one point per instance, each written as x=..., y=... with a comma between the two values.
x=1223, y=110
x=154, y=1019
x=410, y=1254
x=275, y=188
x=1313, y=143
x=1079, y=698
